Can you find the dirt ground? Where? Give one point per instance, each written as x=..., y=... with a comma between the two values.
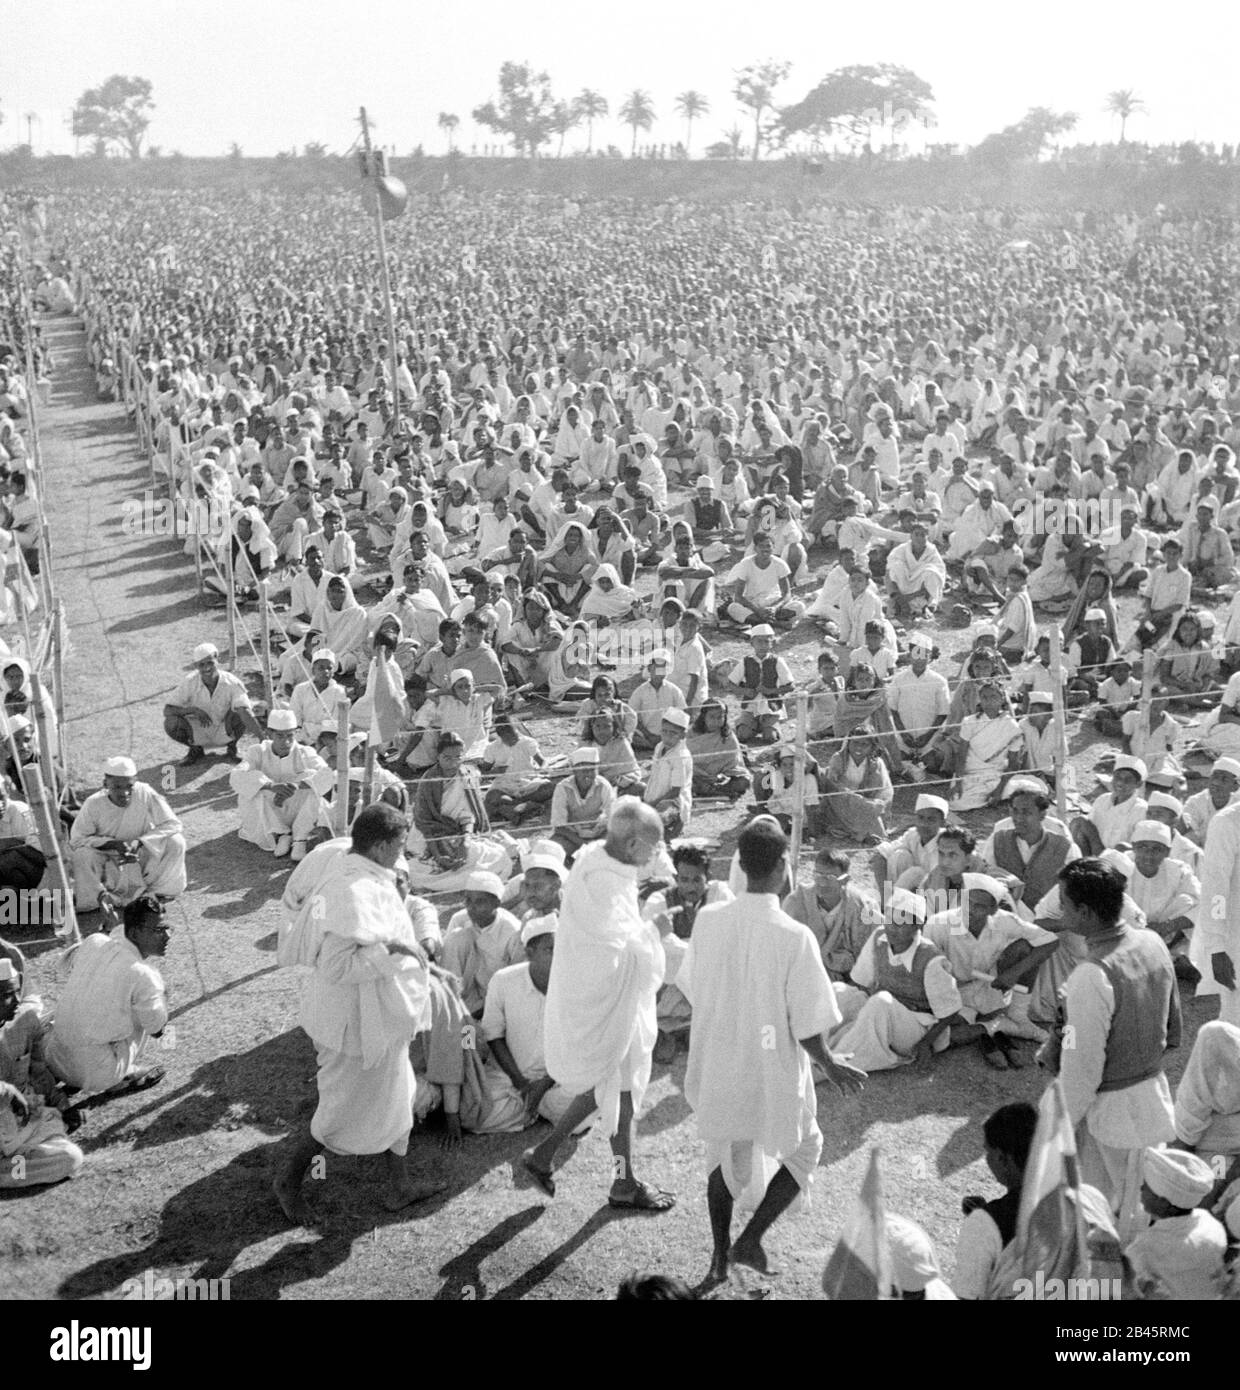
x=177, y=1179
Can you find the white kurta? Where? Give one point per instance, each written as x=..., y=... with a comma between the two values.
x=607, y=969
x=1218, y=914
x=229, y=695
x=262, y=821
x=149, y=819
x=112, y=1001
x=756, y=981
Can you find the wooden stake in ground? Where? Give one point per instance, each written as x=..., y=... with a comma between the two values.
x=44, y=813
x=230, y=583
x=798, y=787
x=45, y=741
x=342, y=767
x=264, y=637
x=368, y=774
x=1060, y=754
x=1148, y=662
x=58, y=679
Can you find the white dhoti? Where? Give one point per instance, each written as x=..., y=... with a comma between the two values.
x=507, y=1113
x=878, y=1028
x=159, y=869
x=364, y=1110
x=747, y=1170
x=38, y=1153
x=92, y=1067
x=263, y=822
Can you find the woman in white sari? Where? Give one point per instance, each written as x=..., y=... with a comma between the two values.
x=568, y=564
x=990, y=746
x=342, y=622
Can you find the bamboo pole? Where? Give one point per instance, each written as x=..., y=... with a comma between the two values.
x=230, y=581
x=1147, y=686
x=45, y=741
x=368, y=775
x=384, y=278
x=798, y=788
x=36, y=797
x=342, y=767
x=58, y=680
x=1059, y=756
x=264, y=631
x=196, y=534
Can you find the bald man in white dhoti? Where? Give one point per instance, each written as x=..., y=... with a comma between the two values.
x=762, y=1002
x=125, y=840
x=280, y=785
x=365, y=1002
x=600, y=1022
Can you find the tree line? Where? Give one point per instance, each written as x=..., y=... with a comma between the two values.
x=865, y=104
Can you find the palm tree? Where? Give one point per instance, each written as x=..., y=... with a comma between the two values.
x=592, y=106
x=734, y=138
x=564, y=116
x=448, y=123
x=690, y=105
x=1124, y=102
x=638, y=112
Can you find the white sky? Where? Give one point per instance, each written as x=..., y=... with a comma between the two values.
x=271, y=74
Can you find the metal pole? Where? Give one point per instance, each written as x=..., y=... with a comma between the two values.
x=383, y=267
x=1060, y=754
x=342, y=767
x=798, y=787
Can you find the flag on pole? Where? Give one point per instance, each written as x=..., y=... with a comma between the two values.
x=393, y=196
x=860, y=1265
x=1051, y=1240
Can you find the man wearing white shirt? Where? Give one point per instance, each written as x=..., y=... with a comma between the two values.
x=113, y=1002
x=1115, y=814
x=314, y=701
x=1215, y=947
x=762, y=1002
x=1122, y=1014
x=1166, y=890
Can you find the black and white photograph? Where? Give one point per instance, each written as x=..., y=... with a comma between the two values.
x=617, y=637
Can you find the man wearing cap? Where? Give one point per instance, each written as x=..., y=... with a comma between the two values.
x=1218, y=793
x=210, y=708
x=535, y=891
x=762, y=1004
x=314, y=702
x=481, y=938
x=906, y=861
x=125, y=840
x=581, y=803
x=1024, y=845
x=652, y=699
x=990, y=950
x=34, y=1148
x=1166, y=890
x=112, y=1004
x=1114, y=814
x=764, y=680
x=601, y=1021
x=513, y=1023
x=1121, y=1015
x=669, y=784
x=1181, y=1255
x=280, y=785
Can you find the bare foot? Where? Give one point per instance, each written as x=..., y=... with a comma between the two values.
x=542, y=1176
x=717, y=1274
x=288, y=1194
x=397, y=1198
x=753, y=1257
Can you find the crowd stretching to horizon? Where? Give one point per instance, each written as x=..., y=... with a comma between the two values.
x=628, y=460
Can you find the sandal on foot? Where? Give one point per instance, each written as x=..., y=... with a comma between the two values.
x=139, y=1081
x=643, y=1198
x=542, y=1176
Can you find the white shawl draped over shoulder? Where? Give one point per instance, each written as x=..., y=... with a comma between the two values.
x=600, y=1025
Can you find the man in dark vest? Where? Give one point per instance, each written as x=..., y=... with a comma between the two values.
x=764, y=680
x=1122, y=1014
x=1026, y=845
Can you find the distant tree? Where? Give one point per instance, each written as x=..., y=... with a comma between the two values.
x=1190, y=152
x=855, y=99
x=154, y=152
x=1123, y=102
x=448, y=123
x=638, y=113
x=592, y=107
x=691, y=105
x=99, y=147
x=755, y=90
x=1025, y=139
x=564, y=116
x=118, y=113
x=234, y=152
x=524, y=109
x=314, y=149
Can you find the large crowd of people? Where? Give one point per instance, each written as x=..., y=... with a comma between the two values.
x=557, y=556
